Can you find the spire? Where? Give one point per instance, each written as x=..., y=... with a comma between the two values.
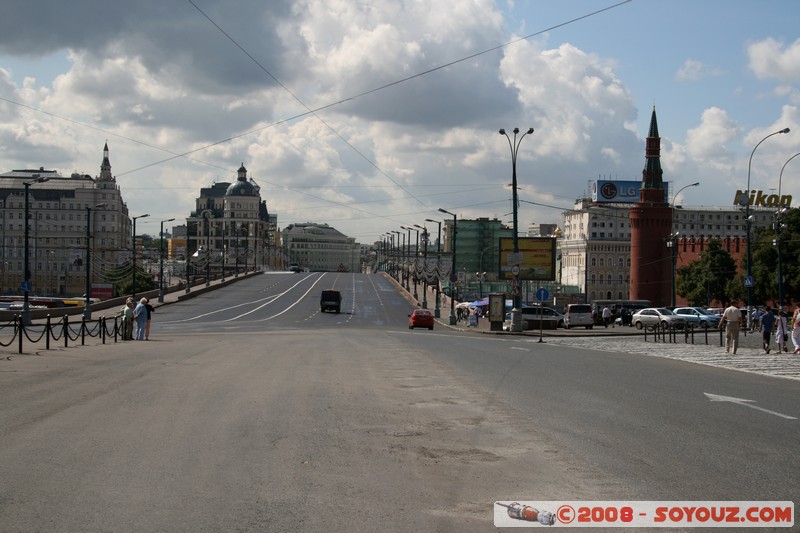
x=652, y=175
x=105, y=166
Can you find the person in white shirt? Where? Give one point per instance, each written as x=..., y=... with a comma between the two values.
x=732, y=319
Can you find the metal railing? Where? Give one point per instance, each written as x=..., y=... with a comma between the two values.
x=106, y=330
x=671, y=334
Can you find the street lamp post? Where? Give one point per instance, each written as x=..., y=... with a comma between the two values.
x=87, y=306
x=26, y=284
x=778, y=222
x=425, y=268
x=436, y=310
x=673, y=238
x=397, y=254
x=416, y=254
x=480, y=271
x=161, y=262
x=207, y=216
x=133, y=247
x=745, y=199
x=516, y=319
x=453, y=274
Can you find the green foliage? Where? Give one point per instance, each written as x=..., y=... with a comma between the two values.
x=764, y=252
x=711, y=277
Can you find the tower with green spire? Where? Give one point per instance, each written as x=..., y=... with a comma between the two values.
x=651, y=226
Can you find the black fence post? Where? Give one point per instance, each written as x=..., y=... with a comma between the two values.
x=66, y=331
x=47, y=333
x=20, y=330
x=83, y=331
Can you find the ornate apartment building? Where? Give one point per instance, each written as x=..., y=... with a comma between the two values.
x=67, y=215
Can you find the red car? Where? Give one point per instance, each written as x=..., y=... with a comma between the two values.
x=420, y=318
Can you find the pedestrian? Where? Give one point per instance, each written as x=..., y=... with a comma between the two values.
x=140, y=316
x=127, y=320
x=767, y=324
x=732, y=319
x=781, y=337
x=606, y=315
x=796, y=330
x=150, y=310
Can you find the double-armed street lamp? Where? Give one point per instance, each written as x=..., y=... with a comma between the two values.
x=778, y=227
x=453, y=274
x=397, y=277
x=87, y=306
x=436, y=310
x=26, y=284
x=745, y=199
x=516, y=318
x=161, y=261
x=416, y=255
x=133, y=247
x=672, y=243
x=425, y=267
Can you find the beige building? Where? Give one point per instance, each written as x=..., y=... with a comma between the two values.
x=231, y=222
x=319, y=247
x=64, y=212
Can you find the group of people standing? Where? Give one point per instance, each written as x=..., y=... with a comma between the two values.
x=733, y=320
x=137, y=319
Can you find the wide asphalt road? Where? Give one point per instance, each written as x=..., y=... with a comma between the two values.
x=250, y=410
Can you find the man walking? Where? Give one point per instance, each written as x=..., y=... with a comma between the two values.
x=767, y=323
x=732, y=318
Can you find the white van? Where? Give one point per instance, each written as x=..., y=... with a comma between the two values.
x=578, y=315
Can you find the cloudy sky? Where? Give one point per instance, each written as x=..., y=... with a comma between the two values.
x=372, y=114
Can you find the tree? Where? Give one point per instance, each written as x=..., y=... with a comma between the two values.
x=711, y=277
x=764, y=252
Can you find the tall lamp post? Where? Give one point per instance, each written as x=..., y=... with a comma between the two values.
x=26, y=284
x=424, y=268
x=436, y=310
x=745, y=199
x=161, y=262
x=516, y=319
x=133, y=247
x=673, y=238
x=397, y=254
x=778, y=222
x=453, y=274
x=87, y=306
x=207, y=216
x=416, y=254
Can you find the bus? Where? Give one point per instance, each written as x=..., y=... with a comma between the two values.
x=616, y=305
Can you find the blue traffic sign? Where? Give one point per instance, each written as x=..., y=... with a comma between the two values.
x=542, y=294
x=749, y=281
x=26, y=286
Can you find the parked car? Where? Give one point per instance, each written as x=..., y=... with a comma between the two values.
x=698, y=317
x=655, y=316
x=550, y=318
x=578, y=315
x=420, y=318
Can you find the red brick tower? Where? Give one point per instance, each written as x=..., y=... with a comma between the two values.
x=651, y=225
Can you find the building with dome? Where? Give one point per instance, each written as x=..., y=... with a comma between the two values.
x=232, y=227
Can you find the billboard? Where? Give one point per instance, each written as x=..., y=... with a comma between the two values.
x=617, y=191
x=536, y=258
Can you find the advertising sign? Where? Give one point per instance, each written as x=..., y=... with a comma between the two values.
x=617, y=191
x=537, y=258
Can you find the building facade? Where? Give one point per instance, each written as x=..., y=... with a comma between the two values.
x=230, y=227
x=70, y=218
x=320, y=248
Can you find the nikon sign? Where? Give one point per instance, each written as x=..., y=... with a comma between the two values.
x=759, y=199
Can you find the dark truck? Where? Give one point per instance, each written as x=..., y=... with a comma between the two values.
x=330, y=300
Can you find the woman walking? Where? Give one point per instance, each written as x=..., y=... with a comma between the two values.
x=781, y=336
x=796, y=330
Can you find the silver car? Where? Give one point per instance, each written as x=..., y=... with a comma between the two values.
x=698, y=317
x=657, y=316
